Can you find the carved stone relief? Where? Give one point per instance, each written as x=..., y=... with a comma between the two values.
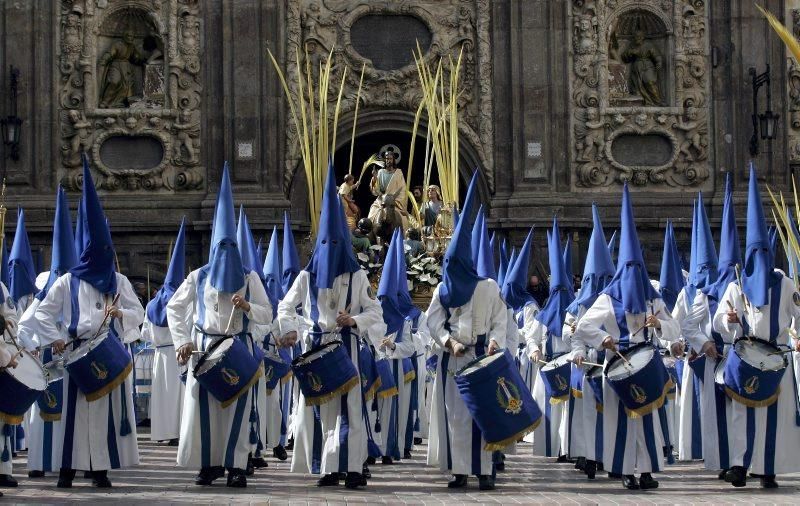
x=316, y=27
x=793, y=118
x=130, y=72
x=639, y=88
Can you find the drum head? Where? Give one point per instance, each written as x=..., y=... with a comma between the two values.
x=594, y=372
x=85, y=348
x=719, y=371
x=213, y=356
x=480, y=363
x=556, y=363
x=29, y=371
x=311, y=356
x=54, y=370
x=637, y=360
x=758, y=354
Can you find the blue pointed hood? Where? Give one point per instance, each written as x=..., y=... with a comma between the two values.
x=492, y=242
x=63, y=257
x=393, y=315
x=259, y=251
x=477, y=228
x=21, y=271
x=333, y=251
x=703, y=258
x=612, y=247
x=273, y=272
x=671, y=280
x=631, y=283
x=80, y=239
x=96, y=264
x=561, y=289
x=502, y=268
x=290, y=260
x=483, y=257
x=568, y=260
x=758, y=275
x=515, y=284
x=407, y=307
x=773, y=240
x=598, y=269
x=226, y=272
x=247, y=245
x=176, y=273
x=458, y=269
x=730, y=254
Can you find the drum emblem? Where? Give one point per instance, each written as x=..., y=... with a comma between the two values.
x=638, y=393
x=99, y=370
x=268, y=373
x=50, y=399
x=751, y=385
x=508, y=396
x=561, y=382
x=230, y=376
x=364, y=379
x=316, y=382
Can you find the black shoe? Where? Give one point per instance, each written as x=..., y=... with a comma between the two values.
x=7, y=481
x=35, y=474
x=207, y=475
x=249, y=469
x=386, y=461
x=279, y=452
x=646, y=481
x=500, y=466
x=600, y=466
x=580, y=463
x=736, y=476
x=458, y=481
x=100, y=479
x=172, y=442
x=355, y=480
x=562, y=458
x=65, y=477
x=365, y=472
x=485, y=482
x=329, y=480
x=630, y=482
x=259, y=462
x=370, y=461
x=614, y=476
x=406, y=453
x=768, y=481
x=721, y=475
x=87, y=475
x=290, y=444
x=236, y=478
x=417, y=440
x=590, y=469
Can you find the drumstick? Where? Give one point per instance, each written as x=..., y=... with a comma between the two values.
x=780, y=352
x=591, y=364
x=731, y=308
x=645, y=325
x=230, y=321
x=627, y=363
x=105, y=318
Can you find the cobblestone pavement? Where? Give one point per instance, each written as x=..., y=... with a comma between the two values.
x=528, y=480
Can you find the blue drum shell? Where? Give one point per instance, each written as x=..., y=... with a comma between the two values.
x=16, y=399
x=749, y=385
x=502, y=418
x=233, y=373
x=557, y=381
x=388, y=386
x=409, y=373
x=326, y=377
x=101, y=370
x=646, y=389
x=370, y=380
x=51, y=400
x=275, y=371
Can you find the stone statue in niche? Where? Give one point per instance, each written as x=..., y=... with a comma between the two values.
x=694, y=145
x=593, y=144
x=117, y=80
x=644, y=62
x=80, y=139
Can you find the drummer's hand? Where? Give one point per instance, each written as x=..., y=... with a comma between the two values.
x=388, y=343
x=288, y=340
x=239, y=303
x=536, y=356
x=459, y=349
x=710, y=350
x=113, y=311
x=608, y=343
x=652, y=321
x=677, y=349
x=493, y=347
x=59, y=346
x=184, y=353
x=578, y=359
x=10, y=325
x=345, y=320
x=733, y=317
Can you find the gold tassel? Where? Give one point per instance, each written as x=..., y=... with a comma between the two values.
x=598, y=407
x=559, y=399
x=387, y=393
x=750, y=403
x=369, y=394
x=47, y=417
x=409, y=376
x=97, y=394
x=322, y=399
x=577, y=393
x=499, y=445
x=11, y=419
x=656, y=404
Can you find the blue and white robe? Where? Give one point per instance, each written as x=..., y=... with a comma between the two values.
x=576, y=442
x=630, y=445
x=332, y=437
x=101, y=434
x=199, y=314
x=167, y=389
x=765, y=440
x=394, y=410
x=271, y=417
x=690, y=427
x=526, y=318
x=419, y=414
x=455, y=443
x=9, y=311
x=589, y=443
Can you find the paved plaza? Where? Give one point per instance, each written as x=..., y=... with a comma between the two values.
x=528, y=480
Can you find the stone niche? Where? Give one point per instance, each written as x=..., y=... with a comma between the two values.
x=639, y=93
x=130, y=93
x=381, y=36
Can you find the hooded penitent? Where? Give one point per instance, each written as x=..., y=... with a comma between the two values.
x=703, y=258
x=730, y=254
x=631, y=283
x=157, y=308
x=290, y=260
x=96, y=264
x=21, y=271
x=247, y=245
x=612, y=246
x=333, y=252
x=515, y=284
x=598, y=270
x=388, y=288
x=407, y=307
x=273, y=273
x=459, y=275
x=671, y=281
x=482, y=249
x=64, y=257
x=561, y=291
x=225, y=267
x=502, y=268
x=568, y=260
x=758, y=275
x=477, y=227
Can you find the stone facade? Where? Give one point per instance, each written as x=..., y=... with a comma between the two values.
x=564, y=100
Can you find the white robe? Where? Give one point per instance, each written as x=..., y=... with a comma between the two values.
x=328, y=456
x=452, y=442
x=270, y=408
x=422, y=340
x=690, y=433
x=9, y=312
x=92, y=429
x=626, y=440
x=586, y=435
x=775, y=446
x=166, y=388
x=210, y=434
x=576, y=442
x=394, y=410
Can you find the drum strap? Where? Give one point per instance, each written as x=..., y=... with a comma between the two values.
x=622, y=323
x=75, y=308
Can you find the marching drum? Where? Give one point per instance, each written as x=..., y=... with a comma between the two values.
x=498, y=399
x=325, y=372
x=21, y=386
x=409, y=374
x=556, y=376
x=370, y=380
x=752, y=372
x=594, y=377
x=99, y=365
x=228, y=368
x=640, y=380
x=51, y=400
x=276, y=370
x=387, y=386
